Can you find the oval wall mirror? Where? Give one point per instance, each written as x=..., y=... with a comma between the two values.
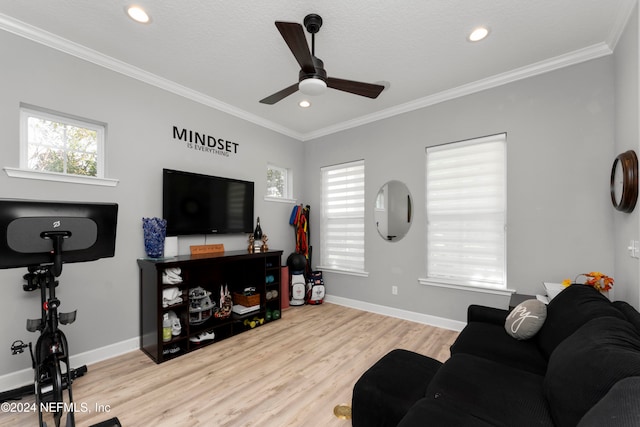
x=393, y=211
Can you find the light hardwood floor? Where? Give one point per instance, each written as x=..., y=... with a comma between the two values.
x=288, y=373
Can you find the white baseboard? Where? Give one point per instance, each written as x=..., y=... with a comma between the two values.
x=412, y=316
x=25, y=376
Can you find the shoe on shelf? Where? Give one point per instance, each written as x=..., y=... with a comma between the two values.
x=171, y=350
x=203, y=336
x=176, y=328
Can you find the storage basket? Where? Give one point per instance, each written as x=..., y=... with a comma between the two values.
x=246, y=300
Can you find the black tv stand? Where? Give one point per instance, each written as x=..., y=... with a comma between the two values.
x=235, y=269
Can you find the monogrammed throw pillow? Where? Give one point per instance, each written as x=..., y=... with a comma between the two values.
x=526, y=319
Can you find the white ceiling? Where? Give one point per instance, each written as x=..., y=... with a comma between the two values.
x=229, y=55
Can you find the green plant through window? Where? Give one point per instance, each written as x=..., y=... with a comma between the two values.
x=277, y=184
x=60, y=143
x=59, y=147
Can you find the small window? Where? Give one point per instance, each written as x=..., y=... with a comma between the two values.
x=278, y=182
x=59, y=143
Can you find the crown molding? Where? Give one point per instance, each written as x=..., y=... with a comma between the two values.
x=576, y=57
x=53, y=41
x=622, y=18
x=38, y=35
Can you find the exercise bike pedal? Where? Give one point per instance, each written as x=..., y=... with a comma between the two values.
x=34, y=325
x=18, y=347
x=67, y=318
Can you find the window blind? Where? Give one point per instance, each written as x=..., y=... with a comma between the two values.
x=466, y=212
x=342, y=217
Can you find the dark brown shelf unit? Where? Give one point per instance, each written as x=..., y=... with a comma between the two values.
x=237, y=269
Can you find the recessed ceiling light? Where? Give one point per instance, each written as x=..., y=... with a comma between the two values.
x=478, y=34
x=138, y=14
x=304, y=104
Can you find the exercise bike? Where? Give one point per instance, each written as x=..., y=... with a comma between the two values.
x=51, y=349
x=33, y=234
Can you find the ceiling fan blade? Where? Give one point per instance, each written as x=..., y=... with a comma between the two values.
x=278, y=96
x=293, y=35
x=369, y=90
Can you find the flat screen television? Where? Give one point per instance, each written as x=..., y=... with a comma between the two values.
x=28, y=227
x=202, y=204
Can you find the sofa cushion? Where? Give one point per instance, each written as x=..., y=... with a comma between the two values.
x=620, y=407
x=585, y=366
x=630, y=313
x=492, y=342
x=481, y=389
x=438, y=413
x=567, y=312
x=526, y=319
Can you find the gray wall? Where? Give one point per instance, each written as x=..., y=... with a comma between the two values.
x=140, y=119
x=626, y=226
x=560, y=133
x=561, y=128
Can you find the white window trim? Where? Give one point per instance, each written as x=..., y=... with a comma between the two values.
x=279, y=200
x=346, y=272
x=482, y=288
x=25, y=173
x=59, y=177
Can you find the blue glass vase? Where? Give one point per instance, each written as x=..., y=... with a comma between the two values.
x=155, y=231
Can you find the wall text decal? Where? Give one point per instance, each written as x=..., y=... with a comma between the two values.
x=205, y=143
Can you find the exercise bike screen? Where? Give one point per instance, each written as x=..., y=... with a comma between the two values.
x=26, y=235
x=27, y=226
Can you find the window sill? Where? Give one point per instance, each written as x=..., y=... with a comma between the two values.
x=279, y=200
x=340, y=271
x=464, y=287
x=59, y=177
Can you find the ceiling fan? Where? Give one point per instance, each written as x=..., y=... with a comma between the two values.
x=313, y=78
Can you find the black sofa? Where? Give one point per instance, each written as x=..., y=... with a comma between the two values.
x=582, y=368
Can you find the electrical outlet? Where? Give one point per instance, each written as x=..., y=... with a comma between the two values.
x=634, y=249
x=394, y=290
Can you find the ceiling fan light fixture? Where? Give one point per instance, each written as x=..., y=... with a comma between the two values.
x=312, y=86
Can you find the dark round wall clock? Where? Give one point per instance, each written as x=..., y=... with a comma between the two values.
x=624, y=181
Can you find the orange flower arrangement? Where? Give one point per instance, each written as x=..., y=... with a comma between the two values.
x=600, y=281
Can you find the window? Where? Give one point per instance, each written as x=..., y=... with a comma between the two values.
x=342, y=217
x=466, y=213
x=53, y=142
x=278, y=182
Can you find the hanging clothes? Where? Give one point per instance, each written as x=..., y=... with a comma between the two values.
x=300, y=220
